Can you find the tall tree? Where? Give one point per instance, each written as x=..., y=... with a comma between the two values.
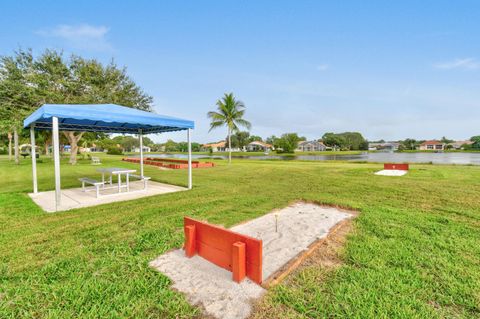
x=81, y=81
x=240, y=139
x=333, y=140
x=230, y=112
x=288, y=142
x=255, y=138
x=9, y=134
x=410, y=143
x=345, y=140
x=446, y=140
x=476, y=142
x=17, y=94
x=26, y=83
x=272, y=140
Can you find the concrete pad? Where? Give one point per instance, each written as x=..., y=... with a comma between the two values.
x=285, y=233
x=76, y=198
x=391, y=172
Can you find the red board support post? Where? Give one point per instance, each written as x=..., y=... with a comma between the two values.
x=238, y=253
x=190, y=247
x=239, y=261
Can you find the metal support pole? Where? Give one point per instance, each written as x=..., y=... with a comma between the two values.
x=189, y=133
x=140, y=137
x=33, y=153
x=56, y=160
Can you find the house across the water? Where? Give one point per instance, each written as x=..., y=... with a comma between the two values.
x=386, y=146
x=311, y=146
x=146, y=149
x=256, y=146
x=218, y=147
x=459, y=145
x=215, y=147
x=432, y=145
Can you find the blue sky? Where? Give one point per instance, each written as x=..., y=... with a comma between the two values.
x=389, y=70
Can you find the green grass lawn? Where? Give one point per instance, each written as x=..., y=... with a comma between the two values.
x=414, y=251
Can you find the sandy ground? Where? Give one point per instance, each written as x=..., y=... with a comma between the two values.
x=391, y=172
x=285, y=233
x=327, y=255
x=208, y=286
x=299, y=225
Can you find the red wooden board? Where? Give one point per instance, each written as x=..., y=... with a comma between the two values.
x=169, y=163
x=215, y=244
x=401, y=167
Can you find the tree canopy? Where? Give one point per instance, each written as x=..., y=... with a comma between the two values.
x=345, y=140
x=476, y=142
x=410, y=144
x=26, y=82
x=288, y=142
x=229, y=113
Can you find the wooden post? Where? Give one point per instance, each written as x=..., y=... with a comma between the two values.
x=239, y=261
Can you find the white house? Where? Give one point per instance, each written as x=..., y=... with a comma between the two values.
x=311, y=146
x=459, y=145
x=146, y=149
x=259, y=146
x=432, y=145
x=215, y=147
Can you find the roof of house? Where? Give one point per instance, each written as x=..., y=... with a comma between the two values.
x=259, y=143
x=432, y=142
x=219, y=144
x=384, y=144
x=468, y=142
x=310, y=142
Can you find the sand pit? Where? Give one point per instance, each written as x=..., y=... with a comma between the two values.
x=211, y=287
x=391, y=172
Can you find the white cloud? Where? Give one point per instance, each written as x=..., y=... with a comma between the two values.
x=322, y=67
x=83, y=36
x=466, y=64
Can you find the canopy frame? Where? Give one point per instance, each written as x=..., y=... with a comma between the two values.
x=54, y=117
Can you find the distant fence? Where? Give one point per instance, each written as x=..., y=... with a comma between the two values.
x=400, y=167
x=240, y=254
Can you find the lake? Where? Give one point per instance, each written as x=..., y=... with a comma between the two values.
x=381, y=157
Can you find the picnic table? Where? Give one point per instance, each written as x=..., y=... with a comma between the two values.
x=28, y=154
x=119, y=172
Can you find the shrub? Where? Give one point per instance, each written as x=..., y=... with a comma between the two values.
x=288, y=142
x=115, y=151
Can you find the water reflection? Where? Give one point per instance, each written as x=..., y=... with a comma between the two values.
x=436, y=158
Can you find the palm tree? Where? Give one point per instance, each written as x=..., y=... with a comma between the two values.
x=230, y=114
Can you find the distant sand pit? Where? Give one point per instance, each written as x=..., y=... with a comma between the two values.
x=286, y=234
x=391, y=172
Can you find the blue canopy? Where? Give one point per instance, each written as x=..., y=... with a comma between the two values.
x=104, y=118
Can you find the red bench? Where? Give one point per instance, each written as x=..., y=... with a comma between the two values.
x=240, y=254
